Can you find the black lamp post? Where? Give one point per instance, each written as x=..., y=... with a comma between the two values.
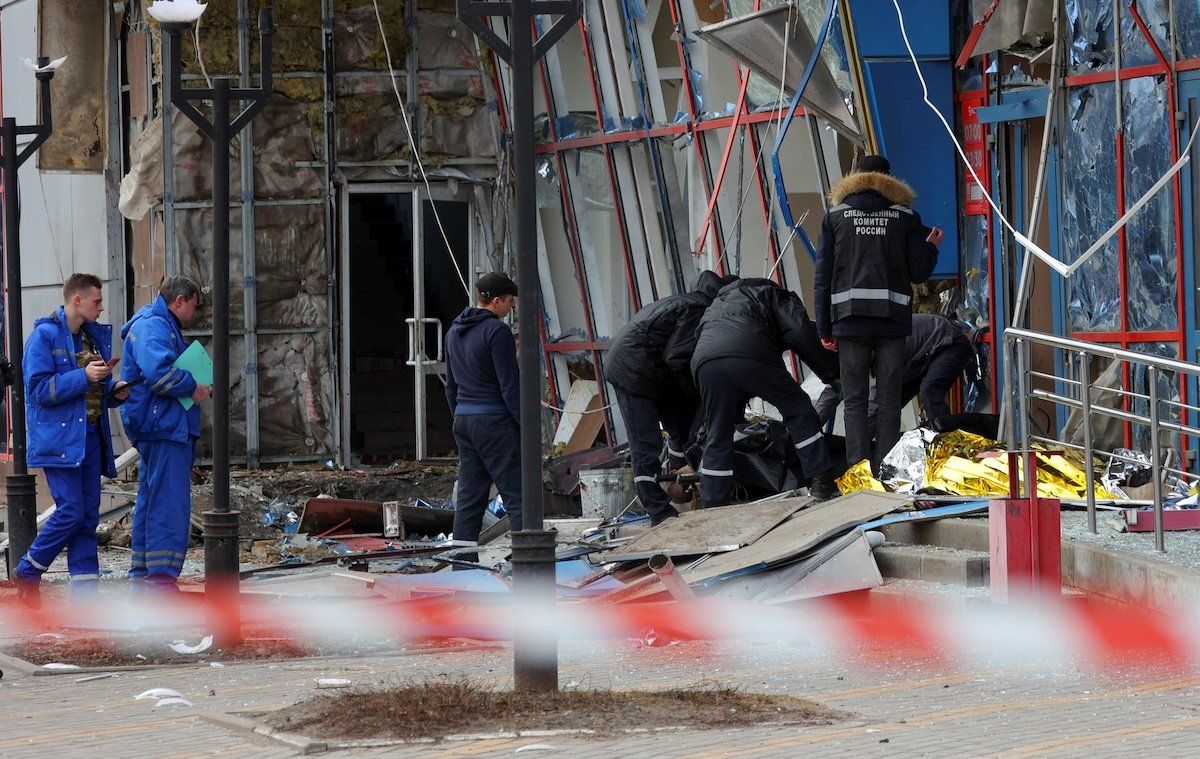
x=21, y=486
x=220, y=523
x=535, y=650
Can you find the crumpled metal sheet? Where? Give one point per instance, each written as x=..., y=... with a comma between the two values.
x=1150, y=257
x=1089, y=168
x=859, y=477
x=1013, y=21
x=903, y=468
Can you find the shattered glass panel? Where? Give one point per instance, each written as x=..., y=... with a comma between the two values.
x=976, y=297
x=1090, y=207
x=1187, y=28
x=1150, y=235
x=1090, y=24
x=1168, y=391
x=1135, y=50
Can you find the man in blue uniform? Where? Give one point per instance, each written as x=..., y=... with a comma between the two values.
x=68, y=391
x=483, y=389
x=162, y=430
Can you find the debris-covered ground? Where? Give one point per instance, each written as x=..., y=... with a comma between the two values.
x=271, y=501
x=438, y=709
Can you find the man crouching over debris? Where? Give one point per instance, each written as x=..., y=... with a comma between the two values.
x=739, y=356
x=483, y=388
x=68, y=391
x=649, y=364
x=163, y=431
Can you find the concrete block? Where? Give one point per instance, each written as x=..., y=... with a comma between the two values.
x=934, y=564
x=966, y=534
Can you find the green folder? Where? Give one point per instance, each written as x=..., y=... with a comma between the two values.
x=196, y=361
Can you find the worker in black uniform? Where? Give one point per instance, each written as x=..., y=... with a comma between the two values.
x=649, y=365
x=873, y=249
x=935, y=356
x=739, y=356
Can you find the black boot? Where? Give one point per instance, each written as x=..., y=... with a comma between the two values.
x=822, y=488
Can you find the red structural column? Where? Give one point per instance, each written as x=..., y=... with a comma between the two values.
x=573, y=243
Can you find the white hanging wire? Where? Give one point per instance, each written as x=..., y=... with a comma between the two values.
x=415, y=151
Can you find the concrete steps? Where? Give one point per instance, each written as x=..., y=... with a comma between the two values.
x=947, y=551
x=953, y=566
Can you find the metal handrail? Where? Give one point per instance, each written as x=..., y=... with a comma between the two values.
x=1096, y=349
x=1079, y=354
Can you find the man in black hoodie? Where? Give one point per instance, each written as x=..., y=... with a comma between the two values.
x=649, y=364
x=739, y=356
x=873, y=249
x=482, y=386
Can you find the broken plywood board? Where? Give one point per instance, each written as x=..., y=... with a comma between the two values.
x=578, y=399
x=795, y=537
x=725, y=528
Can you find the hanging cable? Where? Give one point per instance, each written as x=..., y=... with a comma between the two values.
x=416, y=153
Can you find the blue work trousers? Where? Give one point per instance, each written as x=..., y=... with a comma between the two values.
x=162, y=514
x=76, y=493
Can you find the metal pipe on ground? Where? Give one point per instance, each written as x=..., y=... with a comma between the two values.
x=662, y=566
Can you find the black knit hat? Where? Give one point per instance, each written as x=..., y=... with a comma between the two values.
x=876, y=163
x=495, y=284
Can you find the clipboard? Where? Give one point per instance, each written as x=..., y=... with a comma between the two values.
x=195, y=361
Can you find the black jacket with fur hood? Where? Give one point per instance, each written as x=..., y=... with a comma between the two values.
x=873, y=250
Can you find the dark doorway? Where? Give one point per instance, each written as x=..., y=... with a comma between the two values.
x=384, y=396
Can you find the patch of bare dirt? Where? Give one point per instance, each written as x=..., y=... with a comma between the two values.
x=435, y=710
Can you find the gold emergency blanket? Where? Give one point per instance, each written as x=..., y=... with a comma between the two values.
x=859, y=477
x=961, y=463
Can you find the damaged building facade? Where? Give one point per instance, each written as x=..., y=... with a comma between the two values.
x=668, y=142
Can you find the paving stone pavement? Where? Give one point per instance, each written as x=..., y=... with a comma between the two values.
x=896, y=708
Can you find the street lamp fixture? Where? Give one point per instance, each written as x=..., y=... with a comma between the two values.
x=20, y=486
x=220, y=523
x=176, y=11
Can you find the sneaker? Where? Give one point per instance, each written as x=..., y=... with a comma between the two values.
x=823, y=488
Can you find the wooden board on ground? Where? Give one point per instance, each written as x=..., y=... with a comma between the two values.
x=725, y=528
x=798, y=535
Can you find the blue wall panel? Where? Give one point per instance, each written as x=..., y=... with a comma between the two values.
x=916, y=143
x=878, y=31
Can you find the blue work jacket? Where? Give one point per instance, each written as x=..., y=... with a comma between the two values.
x=153, y=340
x=56, y=395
